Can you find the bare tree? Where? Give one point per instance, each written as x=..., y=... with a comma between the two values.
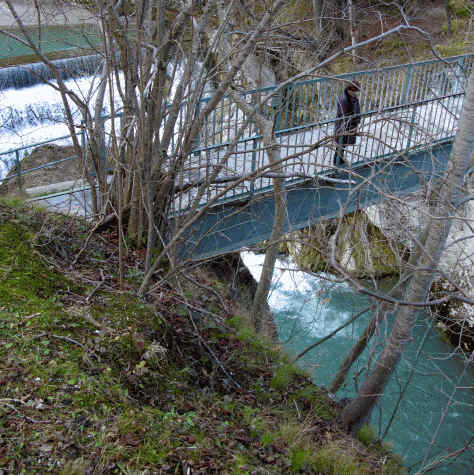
x=430, y=248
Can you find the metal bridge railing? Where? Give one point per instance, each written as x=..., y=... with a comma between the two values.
x=393, y=131
x=314, y=101
x=405, y=107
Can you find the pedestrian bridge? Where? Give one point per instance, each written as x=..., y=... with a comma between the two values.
x=409, y=119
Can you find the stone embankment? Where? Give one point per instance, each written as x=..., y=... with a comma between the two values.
x=400, y=220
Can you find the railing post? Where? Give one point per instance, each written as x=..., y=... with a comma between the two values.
x=18, y=169
x=412, y=126
x=83, y=144
x=197, y=141
x=408, y=83
x=276, y=106
x=459, y=73
x=253, y=165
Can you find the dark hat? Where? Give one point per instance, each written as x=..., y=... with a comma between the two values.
x=353, y=86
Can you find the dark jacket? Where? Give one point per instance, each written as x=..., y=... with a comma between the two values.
x=348, y=110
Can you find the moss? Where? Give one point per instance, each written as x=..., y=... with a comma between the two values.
x=453, y=48
x=25, y=281
x=268, y=438
x=367, y=435
x=299, y=458
x=312, y=259
x=460, y=8
x=126, y=311
x=310, y=252
x=284, y=375
x=372, y=252
x=362, y=247
x=318, y=401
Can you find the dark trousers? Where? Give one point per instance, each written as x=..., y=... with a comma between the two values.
x=339, y=153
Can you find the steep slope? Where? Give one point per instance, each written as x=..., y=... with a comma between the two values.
x=94, y=380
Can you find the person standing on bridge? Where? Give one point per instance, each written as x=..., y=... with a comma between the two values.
x=348, y=119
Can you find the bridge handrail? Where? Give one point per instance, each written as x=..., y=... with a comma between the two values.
x=330, y=121
x=286, y=115
x=353, y=74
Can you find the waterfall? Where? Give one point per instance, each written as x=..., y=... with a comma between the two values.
x=18, y=77
x=12, y=118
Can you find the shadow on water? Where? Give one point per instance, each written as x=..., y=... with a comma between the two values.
x=435, y=415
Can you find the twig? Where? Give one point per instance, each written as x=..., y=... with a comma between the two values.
x=410, y=377
x=29, y=317
x=4, y=400
x=88, y=318
x=97, y=287
x=209, y=289
x=211, y=352
x=29, y=419
x=314, y=345
x=70, y=340
x=297, y=409
x=200, y=309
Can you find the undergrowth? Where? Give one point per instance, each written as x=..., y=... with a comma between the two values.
x=96, y=380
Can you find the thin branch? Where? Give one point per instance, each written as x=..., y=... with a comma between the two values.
x=330, y=335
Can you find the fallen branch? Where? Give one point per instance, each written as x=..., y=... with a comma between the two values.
x=29, y=419
x=101, y=224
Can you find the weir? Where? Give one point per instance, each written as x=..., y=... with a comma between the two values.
x=409, y=120
x=27, y=75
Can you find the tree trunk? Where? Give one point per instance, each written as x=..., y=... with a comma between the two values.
x=317, y=13
x=258, y=314
x=340, y=24
x=355, y=352
x=352, y=24
x=447, y=8
x=436, y=234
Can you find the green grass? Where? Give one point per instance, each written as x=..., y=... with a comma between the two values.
x=113, y=384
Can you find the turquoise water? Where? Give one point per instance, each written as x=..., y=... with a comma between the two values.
x=437, y=401
x=52, y=38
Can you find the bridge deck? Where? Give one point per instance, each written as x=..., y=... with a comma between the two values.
x=235, y=225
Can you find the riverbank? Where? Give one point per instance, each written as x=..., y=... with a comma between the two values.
x=96, y=380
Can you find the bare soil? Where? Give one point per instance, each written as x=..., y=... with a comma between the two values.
x=64, y=171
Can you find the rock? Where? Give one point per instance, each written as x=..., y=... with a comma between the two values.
x=258, y=73
x=362, y=249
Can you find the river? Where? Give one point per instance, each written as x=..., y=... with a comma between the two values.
x=435, y=416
